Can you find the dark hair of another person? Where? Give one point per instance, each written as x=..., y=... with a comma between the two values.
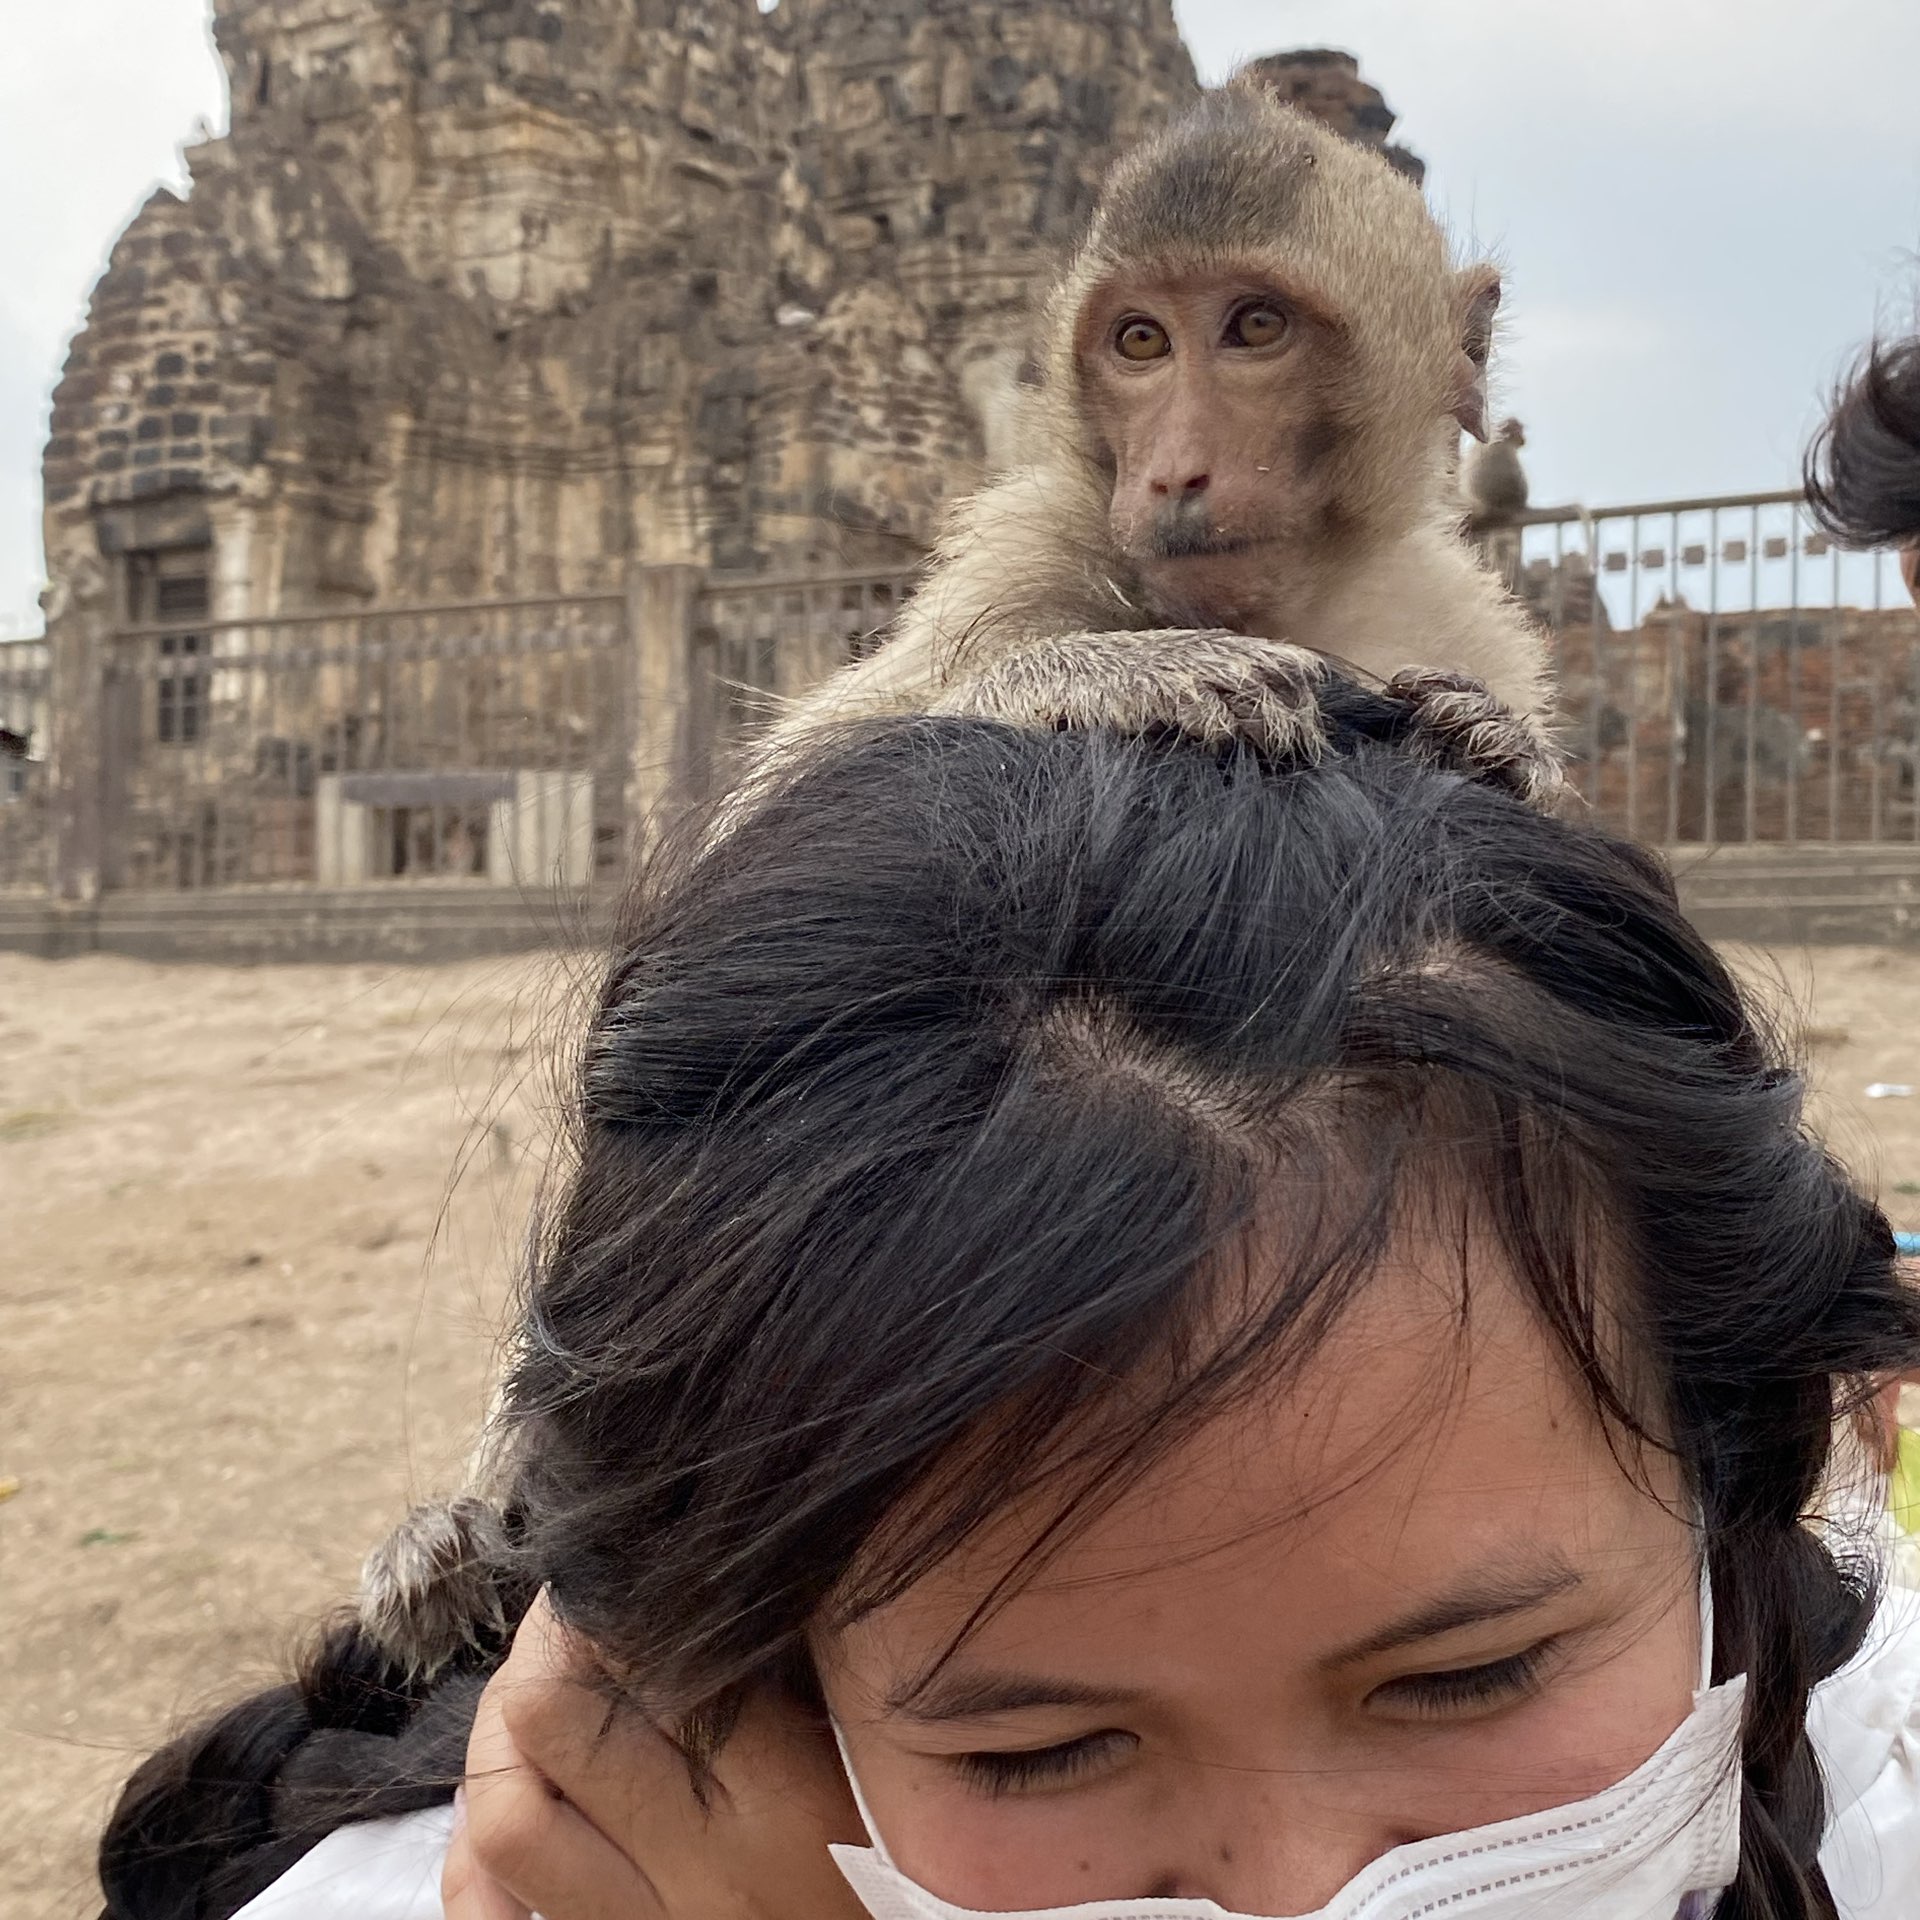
x=1863, y=469
x=939, y=1096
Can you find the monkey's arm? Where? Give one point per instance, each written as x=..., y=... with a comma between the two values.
x=1212, y=687
x=1222, y=688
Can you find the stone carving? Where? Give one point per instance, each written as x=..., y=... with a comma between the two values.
x=1327, y=84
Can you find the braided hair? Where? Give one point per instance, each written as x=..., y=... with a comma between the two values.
x=216, y=1816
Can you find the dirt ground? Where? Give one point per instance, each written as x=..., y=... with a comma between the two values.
x=256, y=1233
x=256, y=1229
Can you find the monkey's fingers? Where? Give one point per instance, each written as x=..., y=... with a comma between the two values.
x=1463, y=727
x=1217, y=688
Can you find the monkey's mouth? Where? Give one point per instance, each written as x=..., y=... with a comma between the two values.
x=1194, y=540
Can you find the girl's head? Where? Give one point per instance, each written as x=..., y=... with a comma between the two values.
x=1207, y=1311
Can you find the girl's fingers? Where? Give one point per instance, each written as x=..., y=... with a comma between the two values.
x=756, y=1848
x=532, y=1853
x=523, y=1848
x=622, y=1774
x=585, y=1811
x=465, y=1892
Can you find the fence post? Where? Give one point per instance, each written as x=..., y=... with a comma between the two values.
x=77, y=642
x=660, y=610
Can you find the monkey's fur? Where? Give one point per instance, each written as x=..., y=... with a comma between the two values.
x=1054, y=600
x=434, y=1587
x=1055, y=597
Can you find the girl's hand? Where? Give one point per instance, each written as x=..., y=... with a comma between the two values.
x=576, y=1816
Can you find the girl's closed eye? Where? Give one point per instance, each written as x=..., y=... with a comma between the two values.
x=1037, y=1769
x=1466, y=1693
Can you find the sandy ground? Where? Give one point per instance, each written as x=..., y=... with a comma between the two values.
x=255, y=1234
x=256, y=1230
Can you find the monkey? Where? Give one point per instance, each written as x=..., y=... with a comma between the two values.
x=1256, y=369
x=1494, y=481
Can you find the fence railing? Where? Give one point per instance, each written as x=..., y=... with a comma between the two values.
x=25, y=722
x=1726, y=674
x=428, y=744
x=507, y=742
x=756, y=642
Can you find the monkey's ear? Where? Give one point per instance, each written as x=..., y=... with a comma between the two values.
x=1481, y=287
x=1470, y=398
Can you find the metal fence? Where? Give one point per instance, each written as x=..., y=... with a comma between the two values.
x=504, y=743
x=430, y=744
x=1726, y=674
x=25, y=716
x=759, y=642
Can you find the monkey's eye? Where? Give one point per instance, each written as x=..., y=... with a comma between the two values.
x=1138, y=338
x=1259, y=323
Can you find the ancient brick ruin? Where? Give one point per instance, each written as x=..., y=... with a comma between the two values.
x=489, y=297
x=527, y=388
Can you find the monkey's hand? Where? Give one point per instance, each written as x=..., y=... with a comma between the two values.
x=1214, y=687
x=1460, y=725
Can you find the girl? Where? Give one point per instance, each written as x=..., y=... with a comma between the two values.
x=1236, y=1337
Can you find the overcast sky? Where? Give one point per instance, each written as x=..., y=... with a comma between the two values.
x=1703, y=205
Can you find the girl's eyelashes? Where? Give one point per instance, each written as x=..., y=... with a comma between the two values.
x=1032, y=1768
x=1462, y=1692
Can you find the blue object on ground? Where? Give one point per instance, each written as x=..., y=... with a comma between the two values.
x=1907, y=1242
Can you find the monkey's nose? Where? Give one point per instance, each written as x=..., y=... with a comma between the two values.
x=1193, y=484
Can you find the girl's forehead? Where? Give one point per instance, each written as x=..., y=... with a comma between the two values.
x=1436, y=1426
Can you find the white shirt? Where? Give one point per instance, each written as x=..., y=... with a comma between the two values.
x=1865, y=1726
x=373, y=1870
x=1864, y=1722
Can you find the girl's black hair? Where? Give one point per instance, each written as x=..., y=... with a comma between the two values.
x=1863, y=469
x=935, y=1098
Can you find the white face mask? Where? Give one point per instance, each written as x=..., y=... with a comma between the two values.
x=1662, y=1844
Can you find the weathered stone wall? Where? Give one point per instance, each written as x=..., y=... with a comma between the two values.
x=1327, y=84
x=444, y=315
x=495, y=296
x=486, y=299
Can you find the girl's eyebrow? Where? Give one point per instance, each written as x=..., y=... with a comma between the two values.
x=1485, y=1594
x=957, y=1694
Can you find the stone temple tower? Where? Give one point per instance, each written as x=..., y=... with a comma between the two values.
x=496, y=297
x=946, y=153
x=435, y=316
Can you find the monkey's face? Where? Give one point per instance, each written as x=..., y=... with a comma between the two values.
x=1215, y=401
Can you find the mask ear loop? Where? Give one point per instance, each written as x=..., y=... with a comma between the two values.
x=1706, y=1612
x=859, y=1798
